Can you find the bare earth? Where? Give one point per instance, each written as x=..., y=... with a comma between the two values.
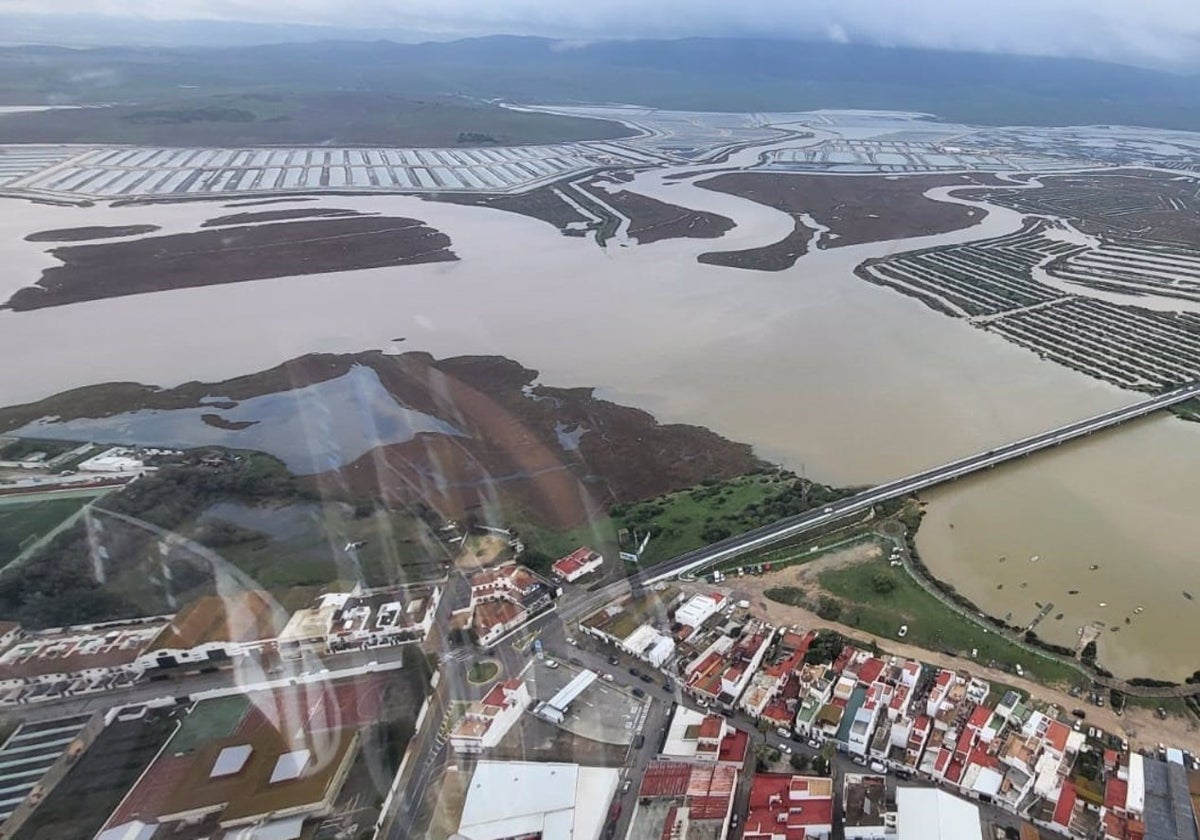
x=1141, y=726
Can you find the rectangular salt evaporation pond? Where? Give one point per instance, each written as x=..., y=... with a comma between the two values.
x=312, y=429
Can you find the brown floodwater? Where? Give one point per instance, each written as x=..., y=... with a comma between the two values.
x=846, y=381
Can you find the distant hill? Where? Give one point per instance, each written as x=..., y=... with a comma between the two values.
x=695, y=73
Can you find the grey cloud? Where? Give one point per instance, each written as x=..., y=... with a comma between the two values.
x=1148, y=32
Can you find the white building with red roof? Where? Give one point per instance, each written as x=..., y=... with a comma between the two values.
x=786, y=807
x=580, y=562
x=489, y=719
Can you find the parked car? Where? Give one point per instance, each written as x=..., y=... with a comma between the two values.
x=634, y=672
x=814, y=743
x=550, y=663
x=637, y=692
x=612, y=660
x=859, y=760
x=879, y=767
x=1079, y=713
x=646, y=678
x=607, y=678
x=625, y=787
x=783, y=732
x=574, y=660
x=639, y=741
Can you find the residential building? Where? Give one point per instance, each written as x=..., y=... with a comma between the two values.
x=784, y=807
x=216, y=628
x=580, y=562
x=866, y=814
x=339, y=621
x=488, y=720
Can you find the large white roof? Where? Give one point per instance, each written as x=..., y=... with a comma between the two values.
x=930, y=814
x=514, y=798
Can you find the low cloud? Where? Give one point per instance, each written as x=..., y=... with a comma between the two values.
x=1162, y=33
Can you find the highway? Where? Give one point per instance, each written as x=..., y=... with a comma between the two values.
x=793, y=526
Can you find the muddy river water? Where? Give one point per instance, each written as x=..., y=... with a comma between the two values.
x=849, y=382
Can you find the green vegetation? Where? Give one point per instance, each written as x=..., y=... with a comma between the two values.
x=18, y=449
x=689, y=519
x=21, y=523
x=210, y=720
x=482, y=672
x=931, y=624
x=274, y=530
x=543, y=546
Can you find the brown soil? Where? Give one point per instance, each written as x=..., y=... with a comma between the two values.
x=234, y=255
x=856, y=209
x=83, y=234
x=279, y=216
x=217, y=421
x=542, y=204
x=774, y=257
x=652, y=220
x=1139, y=204
x=513, y=452
x=509, y=452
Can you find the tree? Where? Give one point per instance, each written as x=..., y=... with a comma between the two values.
x=1088, y=654
x=714, y=532
x=882, y=583
x=829, y=609
x=799, y=763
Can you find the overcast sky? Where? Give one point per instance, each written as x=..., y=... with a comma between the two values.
x=1147, y=32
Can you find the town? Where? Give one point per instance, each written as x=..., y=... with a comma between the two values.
x=671, y=711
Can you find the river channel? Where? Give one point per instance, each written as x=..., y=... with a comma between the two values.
x=843, y=380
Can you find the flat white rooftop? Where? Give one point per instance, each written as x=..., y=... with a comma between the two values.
x=928, y=814
x=516, y=798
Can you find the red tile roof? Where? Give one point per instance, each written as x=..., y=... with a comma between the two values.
x=1065, y=806
x=1115, y=793
x=870, y=670
x=773, y=806
x=734, y=747
x=1056, y=735
x=711, y=727
x=574, y=561
x=979, y=717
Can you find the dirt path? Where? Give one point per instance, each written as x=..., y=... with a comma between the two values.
x=1141, y=726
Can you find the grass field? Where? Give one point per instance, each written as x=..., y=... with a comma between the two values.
x=304, y=544
x=24, y=522
x=695, y=517
x=869, y=604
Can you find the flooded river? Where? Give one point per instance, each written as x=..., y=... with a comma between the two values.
x=843, y=380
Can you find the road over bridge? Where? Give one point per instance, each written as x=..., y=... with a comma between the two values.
x=793, y=526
